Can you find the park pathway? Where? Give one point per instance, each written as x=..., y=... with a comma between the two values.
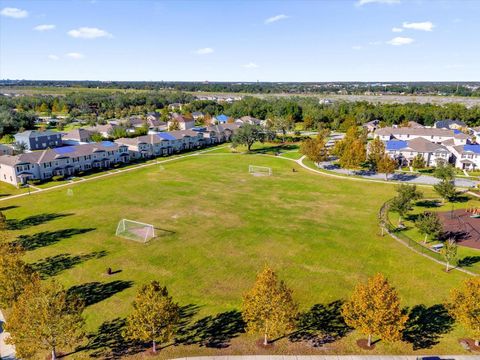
x=7, y=352
x=333, y=357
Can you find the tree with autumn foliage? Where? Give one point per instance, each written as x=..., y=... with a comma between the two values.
x=315, y=149
x=374, y=309
x=268, y=307
x=45, y=318
x=351, y=150
x=155, y=315
x=15, y=274
x=464, y=306
x=376, y=152
x=449, y=252
x=387, y=165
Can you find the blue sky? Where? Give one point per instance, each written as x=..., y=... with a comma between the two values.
x=344, y=40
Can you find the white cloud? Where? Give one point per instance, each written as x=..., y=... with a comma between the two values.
x=75, y=55
x=14, y=13
x=357, y=47
x=53, y=57
x=250, y=65
x=276, y=18
x=365, y=2
x=204, y=51
x=44, y=27
x=89, y=33
x=399, y=40
x=397, y=29
x=423, y=26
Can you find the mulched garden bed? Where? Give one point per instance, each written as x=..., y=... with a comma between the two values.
x=363, y=343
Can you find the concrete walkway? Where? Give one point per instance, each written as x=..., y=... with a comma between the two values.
x=7, y=352
x=333, y=357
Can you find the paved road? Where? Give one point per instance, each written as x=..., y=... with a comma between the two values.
x=399, y=177
x=333, y=357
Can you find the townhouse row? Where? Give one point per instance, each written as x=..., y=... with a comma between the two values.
x=434, y=145
x=70, y=160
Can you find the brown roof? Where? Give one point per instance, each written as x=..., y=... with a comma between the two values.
x=78, y=134
x=419, y=132
x=423, y=145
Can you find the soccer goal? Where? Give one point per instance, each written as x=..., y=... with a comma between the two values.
x=259, y=170
x=134, y=230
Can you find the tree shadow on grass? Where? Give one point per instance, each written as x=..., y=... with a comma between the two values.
x=110, y=343
x=45, y=238
x=14, y=224
x=322, y=324
x=94, y=292
x=428, y=203
x=5, y=208
x=468, y=261
x=54, y=265
x=213, y=331
x=425, y=325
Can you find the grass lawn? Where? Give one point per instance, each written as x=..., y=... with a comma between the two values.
x=412, y=232
x=217, y=227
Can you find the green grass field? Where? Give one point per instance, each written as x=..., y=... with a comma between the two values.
x=217, y=227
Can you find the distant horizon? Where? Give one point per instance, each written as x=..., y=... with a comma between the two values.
x=248, y=41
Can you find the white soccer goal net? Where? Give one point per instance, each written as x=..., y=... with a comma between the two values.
x=134, y=230
x=259, y=170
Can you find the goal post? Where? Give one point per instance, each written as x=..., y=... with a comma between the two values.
x=135, y=230
x=259, y=170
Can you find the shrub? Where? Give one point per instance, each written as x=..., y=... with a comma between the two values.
x=58, y=178
x=34, y=182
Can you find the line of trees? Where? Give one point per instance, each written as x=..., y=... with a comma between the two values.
x=353, y=88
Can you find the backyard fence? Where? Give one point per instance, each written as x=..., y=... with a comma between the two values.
x=397, y=234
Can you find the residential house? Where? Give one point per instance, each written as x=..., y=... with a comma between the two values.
x=197, y=115
x=104, y=130
x=64, y=161
x=404, y=151
x=184, y=123
x=77, y=137
x=221, y=119
x=431, y=134
x=466, y=157
x=39, y=140
x=248, y=120
x=371, y=126
x=6, y=149
x=450, y=124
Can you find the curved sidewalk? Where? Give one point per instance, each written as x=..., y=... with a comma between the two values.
x=333, y=357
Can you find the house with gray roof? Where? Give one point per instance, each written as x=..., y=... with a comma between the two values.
x=77, y=137
x=466, y=157
x=62, y=161
x=39, y=140
x=431, y=134
x=405, y=151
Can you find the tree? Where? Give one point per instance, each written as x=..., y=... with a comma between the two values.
x=387, y=165
x=449, y=252
x=96, y=137
x=15, y=274
x=444, y=172
x=446, y=189
x=20, y=147
x=45, y=318
x=7, y=139
x=464, y=306
x=268, y=307
x=154, y=317
x=315, y=149
x=3, y=222
x=429, y=224
x=374, y=309
x=248, y=134
x=282, y=124
x=418, y=162
x=376, y=153
x=174, y=125
x=354, y=155
x=402, y=203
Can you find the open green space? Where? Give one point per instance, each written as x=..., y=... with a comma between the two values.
x=217, y=225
